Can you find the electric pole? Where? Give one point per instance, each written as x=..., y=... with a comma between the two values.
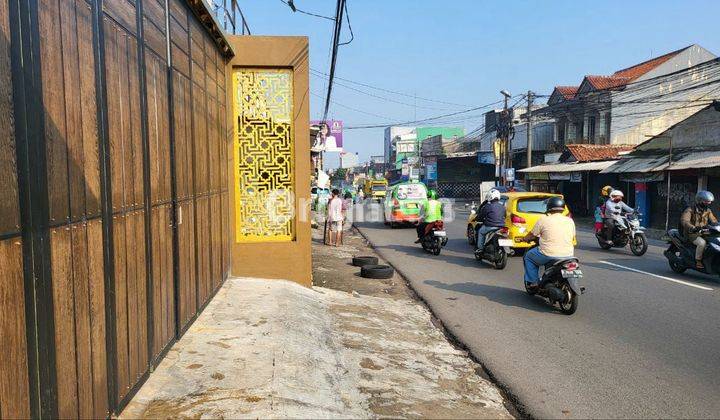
x=505, y=122
x=530, y=97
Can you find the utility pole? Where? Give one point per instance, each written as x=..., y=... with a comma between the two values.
x=504, y=134
x=530, y=97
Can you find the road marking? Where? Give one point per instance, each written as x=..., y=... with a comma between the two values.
x=697, y=286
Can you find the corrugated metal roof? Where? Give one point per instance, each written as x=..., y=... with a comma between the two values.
x=640, y=164
x=570, y=167
x=656, y=163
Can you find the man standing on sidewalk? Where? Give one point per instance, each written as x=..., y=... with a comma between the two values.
x=335, y=217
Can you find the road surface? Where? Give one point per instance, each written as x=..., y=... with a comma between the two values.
x=645, y=342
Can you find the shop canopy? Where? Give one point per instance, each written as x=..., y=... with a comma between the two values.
x=570, y=167
x=657, y=163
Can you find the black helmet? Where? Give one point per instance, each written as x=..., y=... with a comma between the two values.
x=555, y=204
x=704, y=198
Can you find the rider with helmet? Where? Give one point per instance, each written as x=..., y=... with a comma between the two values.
x=555, y=232
x=492, y=216
x=600, y=207
x=614, y=208
x=695, y=218
x=432, y=212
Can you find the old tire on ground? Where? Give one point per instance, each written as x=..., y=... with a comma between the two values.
x=374, y=271
x=364, y=260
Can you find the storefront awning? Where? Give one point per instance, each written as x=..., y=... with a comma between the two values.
x=570, y=167
x=692, y=160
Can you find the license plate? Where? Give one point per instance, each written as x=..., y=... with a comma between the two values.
x=440, y=233
x=572, y=274
x=505, y=242
x=411, y=205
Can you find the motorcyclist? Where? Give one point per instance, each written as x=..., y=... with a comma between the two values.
x=432, y=212
x=555, y=233
x=600, y=207
x=492, y=216
x=614, y=208
x=695, y=218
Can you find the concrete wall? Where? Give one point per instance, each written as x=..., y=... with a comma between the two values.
x=390, y=134
x=543, y=133
x=632, y=123
x=278, y=260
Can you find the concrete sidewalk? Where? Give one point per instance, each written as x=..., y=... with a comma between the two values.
x=271, y=348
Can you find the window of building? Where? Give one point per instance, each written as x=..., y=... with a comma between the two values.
x=591, y=128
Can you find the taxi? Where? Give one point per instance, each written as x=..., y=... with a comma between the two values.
x=523, y=209
x=403, y=201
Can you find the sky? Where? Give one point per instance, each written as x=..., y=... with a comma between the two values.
x=465, y=51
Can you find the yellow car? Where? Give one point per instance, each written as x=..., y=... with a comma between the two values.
x=523, y=209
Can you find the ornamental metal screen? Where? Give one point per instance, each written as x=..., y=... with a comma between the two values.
x=264, y=143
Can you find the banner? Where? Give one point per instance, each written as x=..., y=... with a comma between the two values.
x=329, y=137
x=431, y=172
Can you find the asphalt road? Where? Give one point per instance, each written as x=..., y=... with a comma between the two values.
x=638, y=346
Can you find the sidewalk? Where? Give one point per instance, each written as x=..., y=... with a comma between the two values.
x=272, y=348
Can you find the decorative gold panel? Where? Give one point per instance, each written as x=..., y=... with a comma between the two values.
x=264, y=164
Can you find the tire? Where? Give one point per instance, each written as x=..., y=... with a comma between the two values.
x=604, y=245
x=676, y=267
x=364, y=260
x=570, y=307
x=374, y=271
x=472, y=239
x=436, y=247
x=501, y=262
x=639, y=245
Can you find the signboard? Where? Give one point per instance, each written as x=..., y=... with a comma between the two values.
x=538, y=176
x=329, y=137
x=510, y=174
x=412, y=160
x=414, y=173
x=405, y=169
x=559, y=176
x=431, y=172
x=575, y=177
x=486, y=157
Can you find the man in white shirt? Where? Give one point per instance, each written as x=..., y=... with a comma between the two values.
x=335, y=217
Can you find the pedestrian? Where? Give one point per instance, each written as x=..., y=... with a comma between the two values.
x=347, y=208
x=600, y=207
x=335, y=216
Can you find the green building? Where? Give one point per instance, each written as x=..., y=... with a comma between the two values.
x=408, y=147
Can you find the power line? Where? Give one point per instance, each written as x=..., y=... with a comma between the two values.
x=347, y=18
x=295, y=9
x=424, y=119
x=407, y=95
x=333, y=60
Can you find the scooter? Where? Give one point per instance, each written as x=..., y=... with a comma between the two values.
x=626, y=231
x=681, y=255
x=435, y=237
x=560, y=284
x=496, y=248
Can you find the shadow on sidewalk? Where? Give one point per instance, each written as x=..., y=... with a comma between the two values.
x=503, y=295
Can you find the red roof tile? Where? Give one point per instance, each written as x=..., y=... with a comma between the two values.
x=594, y=152
x=639, y=69
x=607, y=82
x=568, y=92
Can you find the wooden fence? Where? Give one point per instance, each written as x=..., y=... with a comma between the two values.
x=114, y=199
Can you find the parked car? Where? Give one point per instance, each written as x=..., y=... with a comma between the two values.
x=403, y=201
x=523, y=209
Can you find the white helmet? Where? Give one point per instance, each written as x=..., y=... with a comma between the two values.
x=616, y=193
x=492, y=195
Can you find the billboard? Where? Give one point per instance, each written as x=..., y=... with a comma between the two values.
x=329, y=137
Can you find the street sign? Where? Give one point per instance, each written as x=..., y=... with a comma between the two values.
x=510, y=174
x=431, y=172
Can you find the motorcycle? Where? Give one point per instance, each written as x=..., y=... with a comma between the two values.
x=560, y=284
x=435, y=237
x=681, y=255
x=496, y=248
x=627, y=231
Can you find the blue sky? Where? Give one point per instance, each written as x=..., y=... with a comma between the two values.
x=465, y=51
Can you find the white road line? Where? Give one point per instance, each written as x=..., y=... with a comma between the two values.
x=697, y=286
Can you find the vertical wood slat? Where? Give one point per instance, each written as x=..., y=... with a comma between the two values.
x=53, y=101
x=14, y=385
x=9, y=205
